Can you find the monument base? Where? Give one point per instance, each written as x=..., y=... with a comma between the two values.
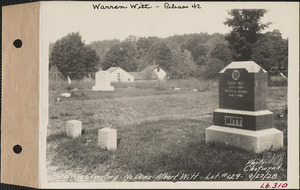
x=106, y=88
x=252, y=141
x=251, y=120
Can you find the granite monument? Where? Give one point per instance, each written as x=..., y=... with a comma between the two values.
x=242, y=119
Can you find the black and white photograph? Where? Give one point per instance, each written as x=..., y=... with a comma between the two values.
x=168, y=92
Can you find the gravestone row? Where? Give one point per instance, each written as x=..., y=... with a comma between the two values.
x=107, y=137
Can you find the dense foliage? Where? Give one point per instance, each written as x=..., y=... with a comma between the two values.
x=182, y=56
x=271, y=51
x=73, y=58
x=246, y=27
x=198, y=55
x=121, y=55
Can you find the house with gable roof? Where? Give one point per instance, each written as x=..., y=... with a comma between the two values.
x=118, y=74
x=151, y=72
x=155, y=70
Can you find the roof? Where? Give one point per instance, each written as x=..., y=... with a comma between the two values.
x=53, y=69
x=143, y=76
x=137, y=75
x=250, y=66
x=112, y=69
x=55, y=72
x=150, y=68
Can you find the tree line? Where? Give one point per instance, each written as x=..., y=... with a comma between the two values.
x=198, y=55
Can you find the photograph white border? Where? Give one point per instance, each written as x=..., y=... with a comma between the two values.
x=293, y=106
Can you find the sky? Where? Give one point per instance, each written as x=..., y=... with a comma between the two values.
x=61, y=18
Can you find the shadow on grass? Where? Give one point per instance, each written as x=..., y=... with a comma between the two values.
x=152, y=148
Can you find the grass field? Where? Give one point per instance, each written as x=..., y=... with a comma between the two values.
x=161, y=131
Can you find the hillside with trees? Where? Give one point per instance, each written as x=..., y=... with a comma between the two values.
x=198, y=55
x=182, y=56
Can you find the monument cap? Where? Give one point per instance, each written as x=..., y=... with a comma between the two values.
x=250, y=66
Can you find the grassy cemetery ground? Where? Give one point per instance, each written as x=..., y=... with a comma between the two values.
x=161, y=131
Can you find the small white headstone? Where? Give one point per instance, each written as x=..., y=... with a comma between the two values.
x=73, y=128
x=107, y=138
x=102, y=81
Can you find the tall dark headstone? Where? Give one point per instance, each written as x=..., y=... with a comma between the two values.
x=242, y=119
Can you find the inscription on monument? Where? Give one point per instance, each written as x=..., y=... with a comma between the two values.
x=234, y=121
x=235, y=89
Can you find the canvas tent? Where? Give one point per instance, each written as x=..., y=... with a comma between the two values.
x=55, y=75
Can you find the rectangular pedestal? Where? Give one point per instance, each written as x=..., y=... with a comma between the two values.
x=105, y=88
x=73, y=128
x=252, y=141
x=107, y=138
x=250, y=120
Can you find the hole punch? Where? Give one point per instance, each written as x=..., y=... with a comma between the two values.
x=17, y=149
x=18, y=43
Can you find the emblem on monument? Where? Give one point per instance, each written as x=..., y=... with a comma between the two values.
x=236, y=75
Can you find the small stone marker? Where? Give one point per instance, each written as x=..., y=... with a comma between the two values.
x=243, y=119
x=73, y=128
x=66, y=95
x=107, y=138
x=102, y=81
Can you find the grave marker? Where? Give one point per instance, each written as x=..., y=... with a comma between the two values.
x=243, y=119
x=102, y=81
x=107, y=138
x=73, y=128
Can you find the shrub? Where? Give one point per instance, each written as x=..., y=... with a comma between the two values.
x=192, y=83
x=277, y=81
x=79, y=84
x=141, y=84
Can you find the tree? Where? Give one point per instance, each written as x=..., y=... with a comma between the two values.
x=183, y=65
x=246, y=29
x=271, y=51
x=73, y=58
x=131, y=38
x=212, y=67
x=91, y=59
x=199, y=51
x=196, y=46
x=51, y=46
x=280, y=49
x=214, y=40
x=160, y=54
x=121, y=55
x=263, y=54
x=222, y=52
x=144, y=44
x=101, y=47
